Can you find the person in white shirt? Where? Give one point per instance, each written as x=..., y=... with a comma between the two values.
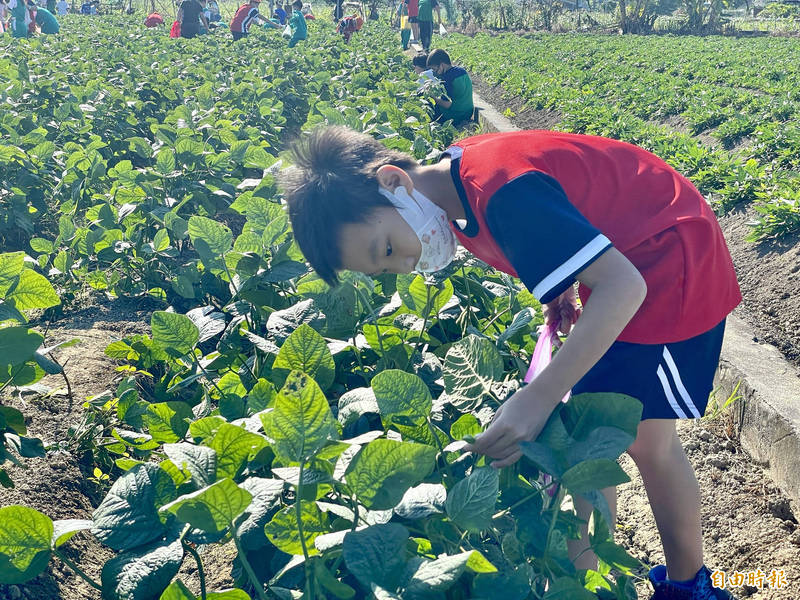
x=62, y=7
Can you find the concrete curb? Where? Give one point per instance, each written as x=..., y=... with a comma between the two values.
x=768, y=416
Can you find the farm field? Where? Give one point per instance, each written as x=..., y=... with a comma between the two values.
x=187, y=409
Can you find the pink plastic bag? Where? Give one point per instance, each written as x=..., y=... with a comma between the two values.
x=542, y=353
x=175, y=32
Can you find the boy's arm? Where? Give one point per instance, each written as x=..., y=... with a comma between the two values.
x=618, y=289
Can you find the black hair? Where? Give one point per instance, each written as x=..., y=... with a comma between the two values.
x=420, y=60
x=438, y=57
x=334, y=183
x=298, y=4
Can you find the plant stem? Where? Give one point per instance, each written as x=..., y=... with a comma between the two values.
x=200, y=572
x=369, y=308
x=248, y=567
x=77, y=569
x=309, y=591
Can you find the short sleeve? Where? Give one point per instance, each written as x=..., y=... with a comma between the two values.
x=544, y=237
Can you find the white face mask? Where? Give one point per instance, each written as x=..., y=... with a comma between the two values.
x=429, y=223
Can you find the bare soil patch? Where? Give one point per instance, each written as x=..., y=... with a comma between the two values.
x=748, y=523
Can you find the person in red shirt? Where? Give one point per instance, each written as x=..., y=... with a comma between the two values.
x=244, y=17
x=349, y=24
x=655, y=278
x=153, y=20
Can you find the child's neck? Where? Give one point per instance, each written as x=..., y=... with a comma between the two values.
x=435, y=182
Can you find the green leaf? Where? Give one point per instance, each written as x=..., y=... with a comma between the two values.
x=213, y=508
x=64, y=529
x=25, y=536
x=542, y=456
x=284, y=534
x=593, y=474
x=383, y=470
x=127, y=516
x=470, y=368
x=567, y=588
x=234, y=445
x=356, y=402
x=518, y=323
x=173, y=332
x=433, y=576
x=142, y=573
x=177, y=591
x=302, y=421
x=615, y=556
x=423, y=299
x=261, y=396
x=33, y=291
x=210, y=238
x=282, y=323
x=585, y=412
x=168, y=422
x=41, y=245
x=305, y=350
x=401, y=394
x=11, y=265
x=165, y=161
x=465, y=425
x=601, y=442
x=377, y=554
x=471, y=502
x=422, y=501
x=18, y=344
x=266, y=501
x=200, y=461
x=13, y=419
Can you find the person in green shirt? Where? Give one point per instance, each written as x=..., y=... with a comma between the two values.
x=46, y=21
x=425, y=20
x=458, y=104
x=297, y=24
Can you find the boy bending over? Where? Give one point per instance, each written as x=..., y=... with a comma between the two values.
x=553, y=208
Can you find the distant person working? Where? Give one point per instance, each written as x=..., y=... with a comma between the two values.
x=46, y=22
x=458, y=104
x=244, y=17
x=297, y=24
x=425, y=19
x=190, y=16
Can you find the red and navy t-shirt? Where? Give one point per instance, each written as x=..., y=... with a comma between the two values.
x=543, y=205
x=243, y=18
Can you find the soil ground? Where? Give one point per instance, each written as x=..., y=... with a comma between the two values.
x=748, y=523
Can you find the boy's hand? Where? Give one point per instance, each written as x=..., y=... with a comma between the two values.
x=520, y=419
x=563, y=310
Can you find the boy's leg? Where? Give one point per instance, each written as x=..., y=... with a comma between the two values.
x=579, y=550
x=674, y=495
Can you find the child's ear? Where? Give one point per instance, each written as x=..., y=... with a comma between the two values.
x=392, y=177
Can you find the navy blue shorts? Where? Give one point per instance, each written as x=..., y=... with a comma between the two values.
x=672, y=381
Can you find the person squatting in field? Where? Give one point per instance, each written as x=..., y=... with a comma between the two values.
x=244, y=17
x=297, y=24
x=553, y=209
x=458, y=105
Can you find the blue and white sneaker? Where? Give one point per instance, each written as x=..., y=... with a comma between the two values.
x=700, y=588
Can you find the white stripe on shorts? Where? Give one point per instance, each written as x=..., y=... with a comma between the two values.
x=662, y=377
x=676, y=377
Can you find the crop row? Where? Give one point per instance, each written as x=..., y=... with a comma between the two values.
x=661, y=92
